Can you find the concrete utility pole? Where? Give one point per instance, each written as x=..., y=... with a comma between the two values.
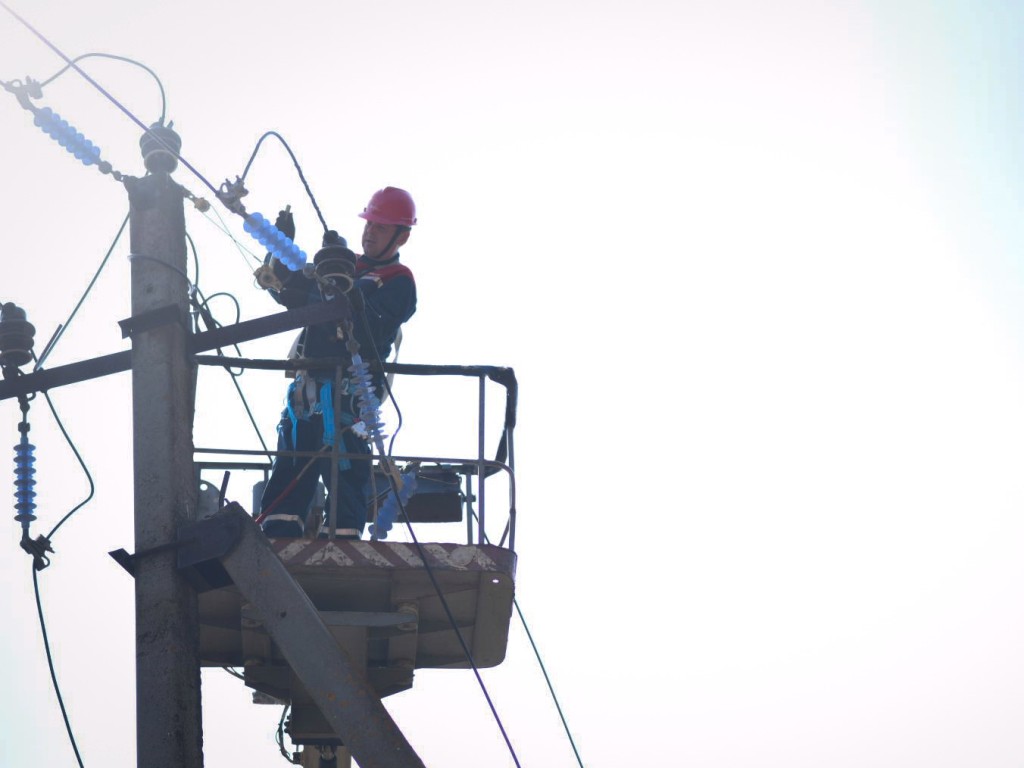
x=168, y=703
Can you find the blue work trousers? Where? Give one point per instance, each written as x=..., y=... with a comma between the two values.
x=288, y=517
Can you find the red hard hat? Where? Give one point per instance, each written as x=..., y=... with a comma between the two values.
x=391, y=205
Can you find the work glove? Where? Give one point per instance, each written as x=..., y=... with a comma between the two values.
x=286, y=223
x=273, y=274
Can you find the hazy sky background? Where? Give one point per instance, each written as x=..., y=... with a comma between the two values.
x=757, y=268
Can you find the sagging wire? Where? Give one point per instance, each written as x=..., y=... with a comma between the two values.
x=540, y=662
x=400, y=499
x=433, y=577
x=64, y=326
x=211, y=322
x=279, y=736
x=160, y=85
x=81, y=462
x=195, y=257
x=202, y=308
x=40, y=561
x=108, y=95
x=229, y=193
x=298, y=168
x=223, y=227
x=551, y=688
x=451, y=618
x=53, y=673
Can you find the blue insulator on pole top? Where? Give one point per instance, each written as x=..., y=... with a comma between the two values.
x=275, y=241
x=65, y=134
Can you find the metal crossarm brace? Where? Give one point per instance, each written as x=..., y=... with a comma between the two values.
x=42, y=380
x=339, y=689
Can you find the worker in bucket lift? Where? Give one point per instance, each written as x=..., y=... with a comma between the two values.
x=388, y=298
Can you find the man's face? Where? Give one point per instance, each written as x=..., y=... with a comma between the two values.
x=377, y=237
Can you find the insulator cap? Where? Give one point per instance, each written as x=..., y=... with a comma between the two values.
x=160, y=146
x=16, y=336
x=337, y=264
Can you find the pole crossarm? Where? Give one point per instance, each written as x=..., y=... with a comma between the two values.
x=118, y=362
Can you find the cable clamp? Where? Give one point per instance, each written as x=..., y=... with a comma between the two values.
x=126, y=561
x=30, y=89
x=38, y=547
x=231, y=194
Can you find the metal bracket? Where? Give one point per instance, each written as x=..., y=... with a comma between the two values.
x=207, y=541
x=126, y=561
x=147, y=321
x=199, y=546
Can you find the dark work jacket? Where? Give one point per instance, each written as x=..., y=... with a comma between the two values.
x=386, y=298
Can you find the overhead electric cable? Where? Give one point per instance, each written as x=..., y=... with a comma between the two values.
x=543, y=668
x=53, y=672
x=64, y=326
x=81, y=462
x=430, y=571
x=35, y=582
x=203, y=309
x=176, y=270
x=551, y=688
x=223, y=227
x=160, y=85
x=298, y=168
x=195, y=258
x=451, y=619
x=109, y=97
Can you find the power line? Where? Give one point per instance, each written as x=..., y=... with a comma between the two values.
x=543, y=668
x=430, y=571
x=547, y=679
x=160, y=85
x=64, y=326
x=455, y=626
x=298, y=168
x=53, y=673
x=35, y=583
x=109, y=97
x=81, y=462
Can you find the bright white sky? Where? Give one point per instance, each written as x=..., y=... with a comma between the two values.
x=756, y=266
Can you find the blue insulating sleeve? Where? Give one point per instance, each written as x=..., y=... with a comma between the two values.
x=388, y=512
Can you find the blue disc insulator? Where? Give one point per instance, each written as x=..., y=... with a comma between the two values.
x=369, y=404
x=24, y=482
x=275, y=241
x=64, y=134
